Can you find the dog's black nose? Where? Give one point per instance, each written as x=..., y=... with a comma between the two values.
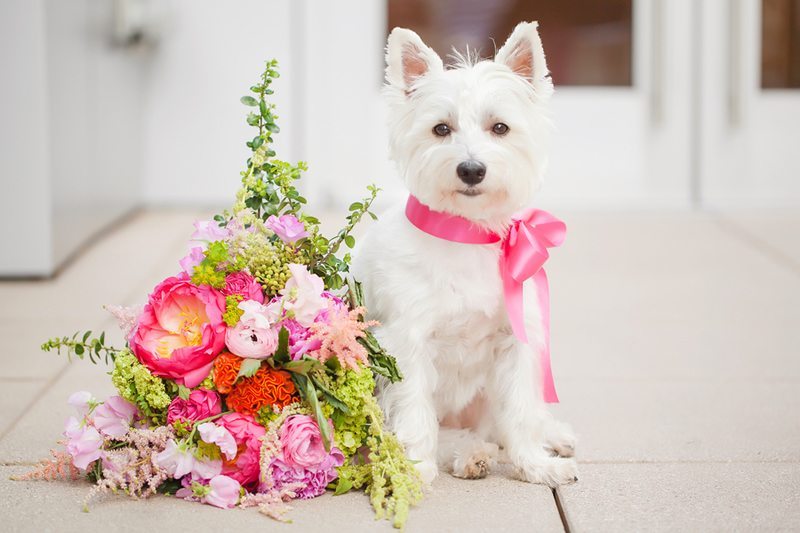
x=471, y=172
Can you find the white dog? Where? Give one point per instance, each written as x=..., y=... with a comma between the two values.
x=468, y=141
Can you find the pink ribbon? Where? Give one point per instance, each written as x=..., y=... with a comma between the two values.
x=524, y=252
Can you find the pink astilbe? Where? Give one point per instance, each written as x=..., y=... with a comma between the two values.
x=339, y=337
x=132, y=468
x=57, y=467
x=273, y=503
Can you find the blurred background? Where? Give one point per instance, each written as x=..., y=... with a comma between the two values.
x=111, y=105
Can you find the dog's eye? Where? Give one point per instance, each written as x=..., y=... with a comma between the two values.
x=500, y=129
x=441, y=130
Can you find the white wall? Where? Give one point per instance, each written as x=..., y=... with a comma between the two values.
x=208, y=54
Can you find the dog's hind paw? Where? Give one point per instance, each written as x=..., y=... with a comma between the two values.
x=476, y=464
x=550, y=471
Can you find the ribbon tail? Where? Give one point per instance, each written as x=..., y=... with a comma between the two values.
x=548, y=383
x=512, y=290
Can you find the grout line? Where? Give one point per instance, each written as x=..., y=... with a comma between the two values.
x=741, y=234
x=562, y=513
x=685, y=461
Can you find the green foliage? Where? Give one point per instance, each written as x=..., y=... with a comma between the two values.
x=232, y=312
x=136, y=384
x=83, y=345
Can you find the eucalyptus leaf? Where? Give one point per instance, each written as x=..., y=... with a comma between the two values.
x=249, y=100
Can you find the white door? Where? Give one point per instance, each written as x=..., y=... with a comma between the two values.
x=750, y=121
x=622, y=105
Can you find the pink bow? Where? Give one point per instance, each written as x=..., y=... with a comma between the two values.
x=524, y=252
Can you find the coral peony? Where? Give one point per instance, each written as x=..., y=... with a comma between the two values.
x=244, y=468
x=201, y=404
x=266, y=388
x=180, y=331
x=244, y=285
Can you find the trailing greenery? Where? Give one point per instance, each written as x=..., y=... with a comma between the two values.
x=83, y=345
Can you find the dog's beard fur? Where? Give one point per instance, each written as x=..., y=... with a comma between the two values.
x=440, y=303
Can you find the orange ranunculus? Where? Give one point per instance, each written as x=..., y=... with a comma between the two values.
x=226, y=368
x=266, y=388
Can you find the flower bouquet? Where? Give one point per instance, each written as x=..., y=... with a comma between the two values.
x=247, y=379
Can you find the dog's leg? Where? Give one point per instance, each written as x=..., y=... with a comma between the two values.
x=464, y=454
x=518, y=414
x=408, y=404
x=559, y=436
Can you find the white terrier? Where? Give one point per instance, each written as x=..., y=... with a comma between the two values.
x=468, y=141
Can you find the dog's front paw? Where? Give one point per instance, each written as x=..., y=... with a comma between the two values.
x=427, y=471
x=477, y=462
x=550, y=471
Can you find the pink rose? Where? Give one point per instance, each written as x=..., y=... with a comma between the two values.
x=287, y=227
x=180, y=331
x=115, y=416
x=84, y=443
x=201, y=404
x=244, y=468
x=302, y=442
x=245, y=285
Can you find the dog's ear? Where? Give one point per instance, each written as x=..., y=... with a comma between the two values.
x=524, y=55
x=408, y=59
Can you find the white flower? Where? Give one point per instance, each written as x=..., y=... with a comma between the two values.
x=302, y=295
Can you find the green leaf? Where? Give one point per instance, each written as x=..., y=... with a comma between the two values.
x=355, y=206
x=331, y=398
x=373, y=215
x=86, y=336
x=257, y=142
x=183, y=392
x=273, y=127
x=350, y=241
x=343, y=486
x=262, y=106
x=281, y=356
x=303, y=366
x=316, y=408
x=79, y=350
x=249, y=100
x=249, y=368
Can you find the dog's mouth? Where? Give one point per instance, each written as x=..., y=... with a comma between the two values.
x=470, y=191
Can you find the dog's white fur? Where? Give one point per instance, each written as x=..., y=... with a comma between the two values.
x=440, y=303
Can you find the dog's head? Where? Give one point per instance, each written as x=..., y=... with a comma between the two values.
x=470, y=139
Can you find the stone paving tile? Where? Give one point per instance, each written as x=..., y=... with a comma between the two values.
x=773, y=230
x=493, y=504
x=685, y=497
x=674, y=420
x=15, y=398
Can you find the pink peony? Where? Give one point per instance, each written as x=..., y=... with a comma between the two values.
x=201, y=404
x=245, y=285
x=300, y=339
x=302, y=442
x=84, y=443
x=253, y=336
x=180, y=331
x=244, y=468
x=302, y=295
x=287, y=228
x=115, y=416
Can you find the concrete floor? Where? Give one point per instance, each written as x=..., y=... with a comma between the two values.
x=676, y=350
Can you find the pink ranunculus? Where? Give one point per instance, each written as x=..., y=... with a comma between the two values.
x=288, y=228
x=223, y=492
x=201, y=404
x=302, y=442
x=253, y=336
x=180, y=331
x=244, y=285
x=214, y=434
x=192, y=259
x=115, y=416
x=244, y=468
x=84, y=443
x=302, y=295
x=315, y=479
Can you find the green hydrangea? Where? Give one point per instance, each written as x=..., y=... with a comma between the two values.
x=137, y=385
x=354, y=389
